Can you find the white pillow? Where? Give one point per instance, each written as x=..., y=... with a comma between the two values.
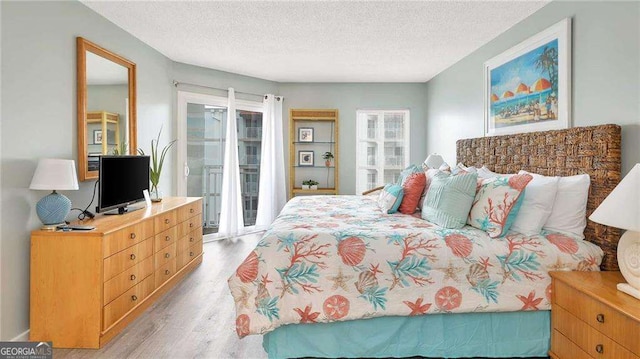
x=569, y=213
x=537, y=205
x=461, y=167
x=485, y=173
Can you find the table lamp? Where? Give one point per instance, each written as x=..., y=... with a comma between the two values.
x=54, y=174
x=621, y=209
x=434, y=160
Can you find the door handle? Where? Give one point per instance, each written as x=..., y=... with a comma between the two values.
x=186, y=169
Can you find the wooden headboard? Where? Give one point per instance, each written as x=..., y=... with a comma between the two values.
x=593, y=150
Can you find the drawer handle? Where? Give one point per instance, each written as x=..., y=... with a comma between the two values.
x=133, y=277
x=132, y=236
x=190, y=239
x=134, y=298
x=132, y=256
x=166, y=221
x=190, y=225
x=191, y=210
x=166, y=271
x=167, y=238
x=600, y=348
x=600, y=318
x=167, y=255
x=190, y=254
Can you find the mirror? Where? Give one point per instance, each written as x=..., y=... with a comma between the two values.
x=106, y=106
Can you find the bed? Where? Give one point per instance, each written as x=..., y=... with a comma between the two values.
x=334, y=277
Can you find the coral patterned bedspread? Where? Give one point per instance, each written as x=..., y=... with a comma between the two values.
x=335, y=258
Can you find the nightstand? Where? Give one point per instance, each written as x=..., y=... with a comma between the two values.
x=590, y=318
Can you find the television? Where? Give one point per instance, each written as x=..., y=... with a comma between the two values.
x=122, y=182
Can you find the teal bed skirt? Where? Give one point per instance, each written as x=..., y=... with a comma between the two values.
x=491, y=335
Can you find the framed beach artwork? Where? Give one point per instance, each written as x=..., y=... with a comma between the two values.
x=528, y=87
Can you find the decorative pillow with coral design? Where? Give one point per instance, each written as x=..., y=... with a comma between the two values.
x=497, y=203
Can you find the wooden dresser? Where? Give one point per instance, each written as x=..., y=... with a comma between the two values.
x=86, y=286
x=590, y=318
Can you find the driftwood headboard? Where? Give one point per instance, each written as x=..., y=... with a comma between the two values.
x=593, y=150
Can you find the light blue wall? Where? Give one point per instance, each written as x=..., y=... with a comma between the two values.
x=39, y=121
x=350, y=97
x=606, y=76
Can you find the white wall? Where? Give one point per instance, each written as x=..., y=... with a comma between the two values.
x=39, y=120
x=606, y=76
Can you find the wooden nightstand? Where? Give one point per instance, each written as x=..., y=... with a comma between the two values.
x=590, y=318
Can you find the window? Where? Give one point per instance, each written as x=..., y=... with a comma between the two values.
x=383, y=147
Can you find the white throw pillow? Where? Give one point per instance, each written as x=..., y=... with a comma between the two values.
x=460, y=167
x=484, y=172
x=569, y=213
x=537, y=205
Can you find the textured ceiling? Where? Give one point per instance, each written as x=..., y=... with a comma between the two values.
x=318, y=41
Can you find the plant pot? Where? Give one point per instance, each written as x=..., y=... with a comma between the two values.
x=305, y=186
x=314, y=187
x=156, y=196
x=327, y=163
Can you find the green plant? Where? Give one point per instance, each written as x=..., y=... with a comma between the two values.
x=327, y=156
x=121, y=149
x=155, y=168
x=310, y=183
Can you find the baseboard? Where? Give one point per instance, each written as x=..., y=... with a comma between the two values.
x=23, y=337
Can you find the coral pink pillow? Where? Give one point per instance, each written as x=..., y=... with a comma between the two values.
x=413, y=187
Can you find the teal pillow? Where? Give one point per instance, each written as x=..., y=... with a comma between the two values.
x=449, y=199
x=390, y=198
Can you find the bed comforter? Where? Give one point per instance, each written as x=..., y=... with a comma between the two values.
x=336, y=258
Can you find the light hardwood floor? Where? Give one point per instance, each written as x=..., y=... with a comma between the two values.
x=196, y=319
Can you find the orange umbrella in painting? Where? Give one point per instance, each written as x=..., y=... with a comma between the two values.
x=522, y=88
x=541, y=85
x=507, y=94
x=494, y=97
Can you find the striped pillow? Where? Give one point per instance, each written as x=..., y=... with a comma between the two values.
x=449, y=199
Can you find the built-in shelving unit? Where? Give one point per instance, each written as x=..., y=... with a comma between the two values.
x=320, y=126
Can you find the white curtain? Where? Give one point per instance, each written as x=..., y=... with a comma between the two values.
x=231, y=218
x=272, y=194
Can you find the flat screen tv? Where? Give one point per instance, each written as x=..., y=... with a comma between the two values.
x=122, y=182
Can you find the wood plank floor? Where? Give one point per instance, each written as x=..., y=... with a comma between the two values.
x=196, y=319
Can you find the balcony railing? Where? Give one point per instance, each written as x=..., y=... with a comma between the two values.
x=212, y=198
x=253, y=132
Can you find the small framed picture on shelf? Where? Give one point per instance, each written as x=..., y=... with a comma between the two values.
x=97, y=137
x=305, y=134
x=305, y=158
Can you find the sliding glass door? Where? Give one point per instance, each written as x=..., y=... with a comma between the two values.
x=202, y=125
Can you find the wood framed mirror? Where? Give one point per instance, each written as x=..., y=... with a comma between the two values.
x=106, y=106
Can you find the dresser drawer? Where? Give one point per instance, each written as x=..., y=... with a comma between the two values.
x=563, y=348
x=117, y=285
x=190, y=239
x=598, y=315
x=594, y=343
x=127, y=258
x=166, y=238
x=126, y=237
x=191, y=224
x=165, y=272
x=188, y=255
x=189, y=210
x=166, y=220
x=120, y=306
x=165, y=255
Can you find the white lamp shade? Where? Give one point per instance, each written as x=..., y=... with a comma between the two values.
x=621, y=209
x=434, y=161
x=55, y=174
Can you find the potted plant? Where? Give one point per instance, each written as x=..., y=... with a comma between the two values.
x=309, y=184
x=327, y=156
x=155, y=167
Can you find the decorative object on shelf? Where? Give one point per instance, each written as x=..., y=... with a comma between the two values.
x=434, y=160
x=305, y=158
x=305, y=134
x=52, y=175
x=621, y=209
x=327, y=157
x=97, y=137
x=310, y=184
x=155, y=169
x=540, y=70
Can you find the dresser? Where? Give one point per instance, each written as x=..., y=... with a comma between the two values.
x=87, y=286
x=590, y=318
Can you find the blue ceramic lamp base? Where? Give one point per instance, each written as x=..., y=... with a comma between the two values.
x=53, y=209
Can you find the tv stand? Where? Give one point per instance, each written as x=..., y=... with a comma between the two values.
x=122, y=210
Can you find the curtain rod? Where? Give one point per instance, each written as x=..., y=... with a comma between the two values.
x=176, y=83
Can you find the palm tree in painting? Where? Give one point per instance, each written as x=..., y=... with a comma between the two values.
x=548, y=61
